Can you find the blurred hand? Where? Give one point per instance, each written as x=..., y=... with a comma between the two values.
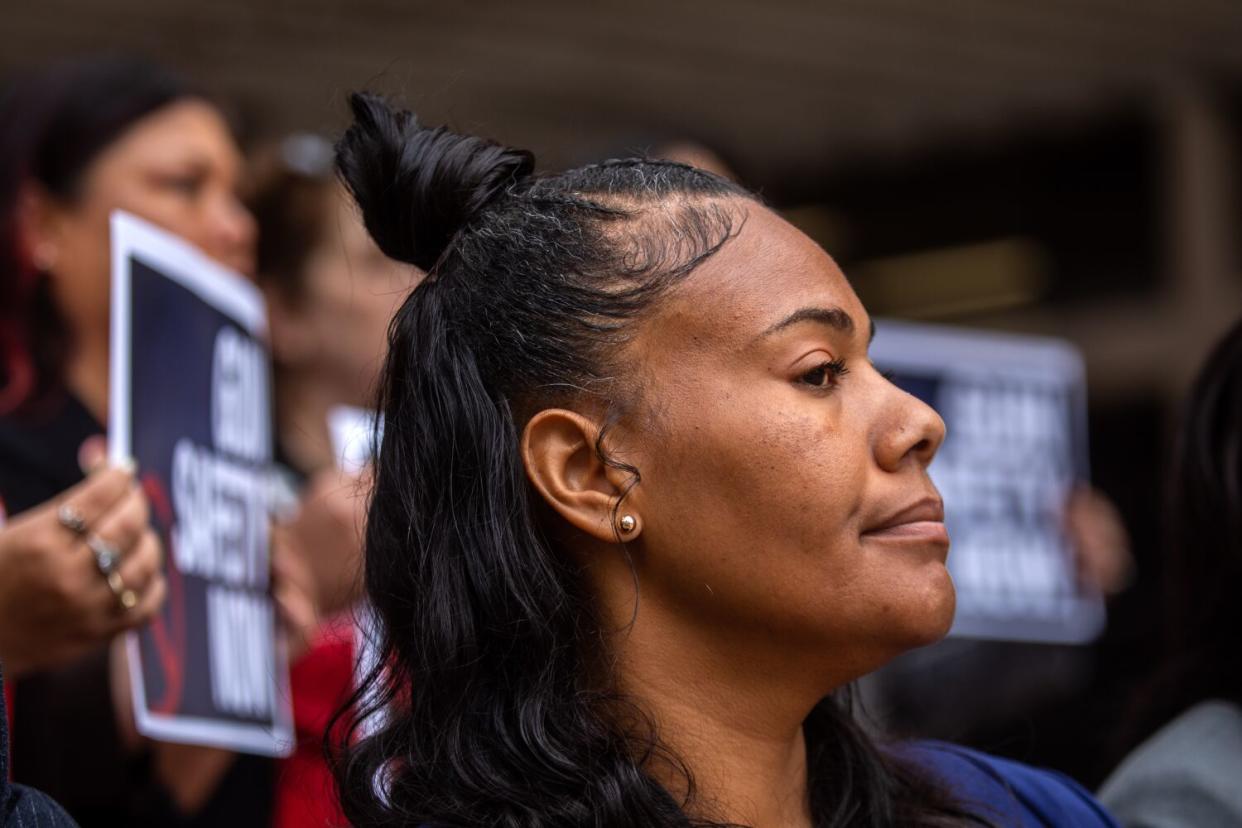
x=327, y=534
x=293, y=590
x=1101, y=543
x=192, y=773
x=55, y=605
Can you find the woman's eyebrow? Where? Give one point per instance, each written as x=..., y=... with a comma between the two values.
x=833, y=317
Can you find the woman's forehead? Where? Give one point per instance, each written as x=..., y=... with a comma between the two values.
x=767, y=272
x=189, y=130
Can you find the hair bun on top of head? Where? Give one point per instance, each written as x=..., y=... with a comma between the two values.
x=417, y=187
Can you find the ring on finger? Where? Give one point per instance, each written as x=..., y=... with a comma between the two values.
x=125, y=596
x=107, y=556
x=71, y=519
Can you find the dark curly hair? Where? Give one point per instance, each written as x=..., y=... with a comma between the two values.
x=487, y=708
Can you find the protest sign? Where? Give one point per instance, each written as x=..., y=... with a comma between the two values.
x=1015, y=411
x=190, y=401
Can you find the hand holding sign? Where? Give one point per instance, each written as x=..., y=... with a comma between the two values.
x=55, y=603
x=1101, y=543
x=294, y=591
x=190, y=399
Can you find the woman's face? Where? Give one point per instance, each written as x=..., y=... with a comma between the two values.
x=177, y=168
x=784, y=500
x=336, y=328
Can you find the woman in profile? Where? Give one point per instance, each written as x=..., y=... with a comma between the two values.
x=643, y=510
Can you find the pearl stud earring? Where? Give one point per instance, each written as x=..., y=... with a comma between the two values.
x=627, y=523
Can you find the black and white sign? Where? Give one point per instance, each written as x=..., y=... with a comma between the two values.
x=191, y=403
x=1015, y=410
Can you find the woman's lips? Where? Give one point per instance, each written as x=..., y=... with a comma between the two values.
x=920, y=522
x=921, y=531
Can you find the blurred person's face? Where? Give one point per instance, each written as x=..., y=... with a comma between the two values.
x=178, y=168
x=788, y=521
x=336, y=327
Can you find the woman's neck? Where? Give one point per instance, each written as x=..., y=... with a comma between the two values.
x=742, y=773
x=736, y=723
x=86, y=376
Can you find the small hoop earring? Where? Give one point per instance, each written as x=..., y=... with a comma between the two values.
x=627, y=523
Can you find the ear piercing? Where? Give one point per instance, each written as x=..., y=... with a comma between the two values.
x=44, y=257
x=627, y=523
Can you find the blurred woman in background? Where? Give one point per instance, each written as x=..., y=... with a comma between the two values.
x=1187, y=774
x=331, y=294
x=77, y=141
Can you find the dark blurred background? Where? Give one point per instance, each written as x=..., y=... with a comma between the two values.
x=1067, y=167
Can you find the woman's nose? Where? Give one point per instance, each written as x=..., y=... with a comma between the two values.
x=233, y=234
x=915, y=431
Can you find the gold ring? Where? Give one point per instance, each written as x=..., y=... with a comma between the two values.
x=125, y=596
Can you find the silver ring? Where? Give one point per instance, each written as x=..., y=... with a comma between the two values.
x=107, y=556
x=71, y=519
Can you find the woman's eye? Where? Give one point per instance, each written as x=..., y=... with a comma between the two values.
x=186, y=185
x=826, y=374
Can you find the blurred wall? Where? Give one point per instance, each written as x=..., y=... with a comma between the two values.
x=844, y=110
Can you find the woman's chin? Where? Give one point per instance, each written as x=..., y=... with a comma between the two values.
x=935, y=610
x=944, y=621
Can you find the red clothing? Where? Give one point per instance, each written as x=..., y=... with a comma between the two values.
x=321, y=682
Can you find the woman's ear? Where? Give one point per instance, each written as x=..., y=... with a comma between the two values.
x=558, y=449
x=38, y=225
